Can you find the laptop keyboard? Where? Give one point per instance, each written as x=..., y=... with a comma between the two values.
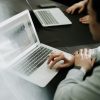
x=47, y=17
x=28, y=65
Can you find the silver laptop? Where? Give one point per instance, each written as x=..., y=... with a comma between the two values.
x=51, y=17
x=21, y=51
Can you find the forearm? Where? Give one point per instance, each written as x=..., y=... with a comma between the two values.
x=74, y=76
x=85, y=2
x=73, y=87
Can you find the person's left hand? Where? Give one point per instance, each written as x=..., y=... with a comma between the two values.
x=85, y=19
x=83, y=59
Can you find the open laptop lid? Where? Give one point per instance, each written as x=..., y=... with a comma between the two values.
x=51, y=17
x=17, y=36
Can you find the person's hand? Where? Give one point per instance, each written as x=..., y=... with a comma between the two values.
x=80, y=5
x=83, y=59
x=85, y=19
x=56, y=57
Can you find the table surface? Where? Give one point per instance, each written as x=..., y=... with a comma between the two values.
x=15, y=88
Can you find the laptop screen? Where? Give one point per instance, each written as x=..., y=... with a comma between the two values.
x=16, y=37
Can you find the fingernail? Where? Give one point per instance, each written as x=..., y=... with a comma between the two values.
x=49, y=66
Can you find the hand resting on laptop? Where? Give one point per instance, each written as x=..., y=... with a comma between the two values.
x=59, y=60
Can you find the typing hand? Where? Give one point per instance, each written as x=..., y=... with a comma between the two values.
x=80, y=5
x=56, y=57
x=85, y=19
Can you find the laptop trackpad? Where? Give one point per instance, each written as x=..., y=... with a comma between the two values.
x=43, y=75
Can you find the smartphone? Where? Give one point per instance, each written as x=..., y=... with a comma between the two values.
x=48, y=5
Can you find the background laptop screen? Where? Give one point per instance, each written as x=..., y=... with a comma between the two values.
x=16, y=37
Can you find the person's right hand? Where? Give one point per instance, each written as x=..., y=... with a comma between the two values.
x=83, y=59
x=55, y=57
x=80, y=5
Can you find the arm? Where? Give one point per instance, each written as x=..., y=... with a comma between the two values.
x=73, y=87
x=55, y=57
x=80, y=5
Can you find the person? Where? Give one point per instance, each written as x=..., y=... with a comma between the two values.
x=67, y=2
x=80, y=6
x=75, y=86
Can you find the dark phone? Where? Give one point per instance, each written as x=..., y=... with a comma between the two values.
x=48, y=5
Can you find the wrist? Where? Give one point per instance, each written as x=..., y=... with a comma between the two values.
x=85, y=2
x=69, y=57
x=81, y=69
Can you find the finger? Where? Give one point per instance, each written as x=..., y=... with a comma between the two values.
x=52, y=53
x=76, y=52
x=84, y=22
x=85, y=51
x=57, y=59
x=64, y=65
x=90, y=51
x=81, y=9
x=73, y=10
x=51, y=57
x=93, y=61
x=85, y=17
x=82, y=18
x=81, y=51
x=68, y=10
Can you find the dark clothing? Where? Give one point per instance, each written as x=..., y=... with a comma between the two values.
x=68, y=2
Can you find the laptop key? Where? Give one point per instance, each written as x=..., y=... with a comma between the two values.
x=28, y=65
